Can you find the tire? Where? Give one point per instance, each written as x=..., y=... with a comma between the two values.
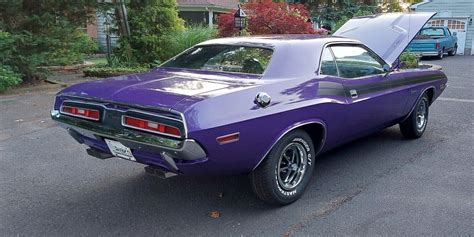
x=453, y=52
x=415, y=125
x=272, y=181
x=441, y=54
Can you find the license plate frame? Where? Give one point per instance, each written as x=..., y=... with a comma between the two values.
x=119, y=150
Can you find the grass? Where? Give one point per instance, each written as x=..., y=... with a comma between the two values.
x=100, y=60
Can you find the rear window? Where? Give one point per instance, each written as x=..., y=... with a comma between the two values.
x=428, y=33
x=223, y=58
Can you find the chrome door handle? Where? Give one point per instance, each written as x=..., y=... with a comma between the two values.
x=353, y=93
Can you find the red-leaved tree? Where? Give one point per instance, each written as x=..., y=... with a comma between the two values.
x=267, y=17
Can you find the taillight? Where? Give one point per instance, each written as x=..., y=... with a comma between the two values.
x=438, y=45
x=150, y=126
x=86, y=113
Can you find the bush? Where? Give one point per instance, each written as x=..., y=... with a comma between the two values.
x=149, y=20
x=44, y=33
x=105, y=71
x=8, y=78
x=180, y=41
x=409, y=60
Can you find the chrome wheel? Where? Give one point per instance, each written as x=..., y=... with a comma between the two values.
x=291, y=166
x=421, y=115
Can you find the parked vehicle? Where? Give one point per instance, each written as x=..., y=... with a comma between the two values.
x=434, y=41
x=264, y=105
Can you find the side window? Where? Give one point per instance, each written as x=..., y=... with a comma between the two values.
x=355, y=61
x=449, y=32
x=328, y=66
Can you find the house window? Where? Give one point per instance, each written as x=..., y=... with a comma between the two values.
x=455, y=24
x=436, y=23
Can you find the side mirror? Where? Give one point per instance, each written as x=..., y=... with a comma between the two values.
x=455, y=33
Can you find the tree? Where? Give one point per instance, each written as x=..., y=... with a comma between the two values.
x=267, y=17
x=45, y=32
x=150, y=21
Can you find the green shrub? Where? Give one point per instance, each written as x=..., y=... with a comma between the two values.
x=179, y=41
x=149, y=20
x=105, y=71
x=409, y=60
x=44, y=33
x=8, y=78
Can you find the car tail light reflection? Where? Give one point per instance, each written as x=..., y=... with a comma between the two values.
x=150, y=126
x=86, y=113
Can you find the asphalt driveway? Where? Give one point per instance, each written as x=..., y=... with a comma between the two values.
x=378, y=185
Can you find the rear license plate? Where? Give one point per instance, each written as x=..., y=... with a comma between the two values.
x=119, y=150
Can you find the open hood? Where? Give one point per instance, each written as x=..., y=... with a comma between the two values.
x=386, y=34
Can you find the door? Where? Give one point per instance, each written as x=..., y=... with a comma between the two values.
x=373, y=99
x=455, y=25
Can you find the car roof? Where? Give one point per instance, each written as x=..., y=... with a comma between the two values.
x=293, y=55
x=279, y=40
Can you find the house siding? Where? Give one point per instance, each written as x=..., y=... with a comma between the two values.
x=101, y=36
x=457, y=8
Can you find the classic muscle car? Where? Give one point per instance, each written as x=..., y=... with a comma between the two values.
x=264, y=105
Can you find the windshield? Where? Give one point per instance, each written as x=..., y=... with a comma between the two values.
x=223, y=58
x=431, y=33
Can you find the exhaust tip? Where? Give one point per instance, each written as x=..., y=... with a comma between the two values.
x=158, y=172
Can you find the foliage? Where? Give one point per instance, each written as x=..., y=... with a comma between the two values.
x=149, y=20
x=180, y=41
x=267, y=17
x=344, y=19
x=409, y=60
x=336, y=12
x=108, y=71
x=44, y=32
x=8, y=78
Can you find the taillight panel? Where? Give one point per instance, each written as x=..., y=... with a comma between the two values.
x=150, y=126
x=81, y=112
x=110, y=116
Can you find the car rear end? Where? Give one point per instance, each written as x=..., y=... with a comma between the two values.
x=155, y=137
x=425, y=47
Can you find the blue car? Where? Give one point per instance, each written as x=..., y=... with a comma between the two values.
x=434, y=41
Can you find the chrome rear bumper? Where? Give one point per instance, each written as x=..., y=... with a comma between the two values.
x=168, y=148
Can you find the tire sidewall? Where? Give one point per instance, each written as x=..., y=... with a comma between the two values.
x=414, y=115
x=301, y=137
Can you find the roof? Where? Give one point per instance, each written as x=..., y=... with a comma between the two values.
x=293, y=55
x=277, y=40
x=227, y=4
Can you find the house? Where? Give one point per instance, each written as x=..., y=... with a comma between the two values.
x=456, y=15
x=204, y=11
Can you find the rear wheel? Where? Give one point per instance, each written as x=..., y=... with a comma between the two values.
x=453, y=51
x=415, y=125
x=284, y=174
x=441, y=54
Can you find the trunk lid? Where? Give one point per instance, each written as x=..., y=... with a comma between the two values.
x=162, y=87
x=386, y=34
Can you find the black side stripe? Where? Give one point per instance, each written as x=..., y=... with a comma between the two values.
x=389, y=84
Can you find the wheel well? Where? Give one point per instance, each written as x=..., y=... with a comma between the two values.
x=317, y=133
x=430, y=93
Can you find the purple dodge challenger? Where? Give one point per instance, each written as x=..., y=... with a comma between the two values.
x=264, y=105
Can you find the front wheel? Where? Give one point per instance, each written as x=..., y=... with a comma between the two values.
x=415, y=125
x=285, y=172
